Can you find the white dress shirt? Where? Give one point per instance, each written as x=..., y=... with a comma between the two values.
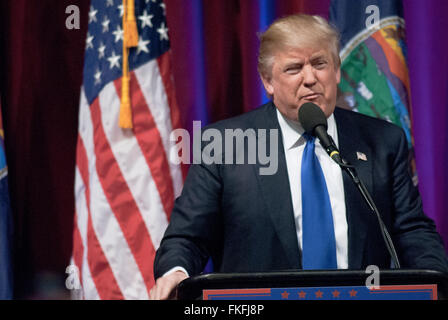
x=294, y=145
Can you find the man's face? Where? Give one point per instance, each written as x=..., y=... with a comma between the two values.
x=303, y=75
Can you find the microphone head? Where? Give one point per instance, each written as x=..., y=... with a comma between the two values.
x=311, y=116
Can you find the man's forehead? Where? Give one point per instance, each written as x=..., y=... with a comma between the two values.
x=303, y=53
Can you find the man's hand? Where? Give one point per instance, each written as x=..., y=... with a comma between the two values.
x=164, y=287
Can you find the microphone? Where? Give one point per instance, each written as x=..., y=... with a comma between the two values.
x=313, y=120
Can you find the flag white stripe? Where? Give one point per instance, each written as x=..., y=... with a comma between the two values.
x=76, y=294
x=133, y=166
x=114, y=245
x=88, y=285
x=86, y=132
x=107, y=229
x=89, y=289
x=153, y=89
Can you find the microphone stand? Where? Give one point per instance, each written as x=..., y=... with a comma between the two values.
x=351, y=171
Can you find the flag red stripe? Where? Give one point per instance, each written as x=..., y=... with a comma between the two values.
x=102, y=275
x=78, y=247
x=122, y=202
x=105, y=283
x=150, y=142
x=82, y=163
x=164, y=62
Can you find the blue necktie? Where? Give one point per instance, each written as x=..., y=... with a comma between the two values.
x=318, y=240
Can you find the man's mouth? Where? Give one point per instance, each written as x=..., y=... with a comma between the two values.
x=312, y=96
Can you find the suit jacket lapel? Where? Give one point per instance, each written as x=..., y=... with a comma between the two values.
x=276, y=190
x=353, y=150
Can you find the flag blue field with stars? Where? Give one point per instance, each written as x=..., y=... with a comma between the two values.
x=103, y=55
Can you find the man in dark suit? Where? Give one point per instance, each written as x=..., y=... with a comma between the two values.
x=250, y=222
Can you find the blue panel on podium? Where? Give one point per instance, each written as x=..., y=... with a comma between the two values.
x=391, y=292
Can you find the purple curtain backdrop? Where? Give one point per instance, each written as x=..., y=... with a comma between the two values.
x=214, y=45
x=426, y=27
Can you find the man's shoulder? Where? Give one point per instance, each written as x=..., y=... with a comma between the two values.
x=373, y=131
x=353, y=118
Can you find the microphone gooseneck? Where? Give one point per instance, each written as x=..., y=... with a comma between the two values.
x=314, y=122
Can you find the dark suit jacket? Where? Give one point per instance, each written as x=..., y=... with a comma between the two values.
x=245, y=220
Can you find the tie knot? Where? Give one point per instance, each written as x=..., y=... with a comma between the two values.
x=308, y=137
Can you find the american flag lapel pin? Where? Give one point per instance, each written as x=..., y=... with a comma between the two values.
x=361, y=156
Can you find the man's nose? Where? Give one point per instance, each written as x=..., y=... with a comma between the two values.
x=309, y=78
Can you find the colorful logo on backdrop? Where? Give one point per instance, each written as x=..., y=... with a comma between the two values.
x=374, y=75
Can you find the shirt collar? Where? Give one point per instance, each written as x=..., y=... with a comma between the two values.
x=292, y=131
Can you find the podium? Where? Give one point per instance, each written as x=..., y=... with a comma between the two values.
x=397, y=284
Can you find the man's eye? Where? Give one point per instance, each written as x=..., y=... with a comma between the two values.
x=292, y=70
x=320, y=64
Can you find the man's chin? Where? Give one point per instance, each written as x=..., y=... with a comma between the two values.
x=325, y=108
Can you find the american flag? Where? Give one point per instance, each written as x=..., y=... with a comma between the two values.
x=125, y=185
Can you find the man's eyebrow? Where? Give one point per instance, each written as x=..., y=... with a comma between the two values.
x=293, y=64
x=318, y=56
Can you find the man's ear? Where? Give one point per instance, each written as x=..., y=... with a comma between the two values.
x=267, y=83
x=338, y=75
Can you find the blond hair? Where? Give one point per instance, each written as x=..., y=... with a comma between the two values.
x=296, y=31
